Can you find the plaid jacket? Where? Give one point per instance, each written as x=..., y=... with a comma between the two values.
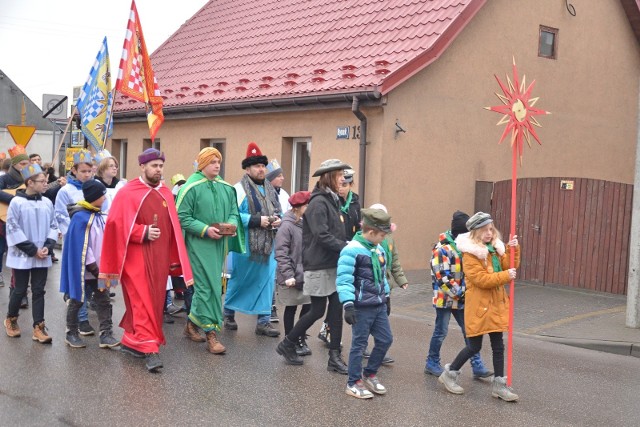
x=446, y=274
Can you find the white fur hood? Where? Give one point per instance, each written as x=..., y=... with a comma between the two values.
x=465, y=244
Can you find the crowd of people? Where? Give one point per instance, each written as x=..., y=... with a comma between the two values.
x=319, y=254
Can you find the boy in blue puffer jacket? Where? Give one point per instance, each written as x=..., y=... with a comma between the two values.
x=363, y=290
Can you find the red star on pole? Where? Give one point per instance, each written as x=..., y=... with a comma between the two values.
x=518, y=111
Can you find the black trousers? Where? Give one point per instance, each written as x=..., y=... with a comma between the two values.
x=38, y=278
x=474, y=346
x=318, y=306
x=104, y=309
x=290, y=315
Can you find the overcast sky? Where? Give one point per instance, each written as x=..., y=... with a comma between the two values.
x=49, y=46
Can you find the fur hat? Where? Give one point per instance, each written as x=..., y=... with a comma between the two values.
x=254, y=156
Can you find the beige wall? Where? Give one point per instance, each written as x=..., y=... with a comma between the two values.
x=180, y=139
x=428, y=172
x=591, y=89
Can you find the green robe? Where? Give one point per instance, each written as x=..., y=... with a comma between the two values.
x=200, y=203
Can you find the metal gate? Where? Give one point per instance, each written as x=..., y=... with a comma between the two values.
x=573, y=231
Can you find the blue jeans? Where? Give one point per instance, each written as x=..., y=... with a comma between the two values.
x=440, y=331
x=369, y=321
x=263, y=319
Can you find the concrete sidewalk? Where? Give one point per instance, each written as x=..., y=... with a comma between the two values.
x=570, y=316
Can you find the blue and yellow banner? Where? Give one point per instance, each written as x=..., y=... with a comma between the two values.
x=96, y=101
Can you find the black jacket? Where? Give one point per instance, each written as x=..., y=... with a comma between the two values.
x=10, y=180
x=323, y=232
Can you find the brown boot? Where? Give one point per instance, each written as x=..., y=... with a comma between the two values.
x=191, y=331
x=213, y=345
x=11, y=326
x=40, y=334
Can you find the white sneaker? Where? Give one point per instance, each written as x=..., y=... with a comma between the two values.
x=374, y=385
x=359, y=391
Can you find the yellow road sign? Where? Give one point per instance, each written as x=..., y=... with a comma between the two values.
x=21, y=134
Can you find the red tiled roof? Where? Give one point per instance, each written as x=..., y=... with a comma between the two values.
x=244, y=50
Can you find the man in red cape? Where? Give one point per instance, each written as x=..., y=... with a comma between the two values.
x=144, y=245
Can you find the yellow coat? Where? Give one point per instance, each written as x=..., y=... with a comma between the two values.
x=486, y=302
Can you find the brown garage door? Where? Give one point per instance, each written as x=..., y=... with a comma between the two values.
x=573, y=231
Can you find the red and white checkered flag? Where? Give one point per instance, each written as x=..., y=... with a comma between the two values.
x=135, y=75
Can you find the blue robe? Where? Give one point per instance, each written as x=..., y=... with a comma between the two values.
x=250, y=289
x=78, y=251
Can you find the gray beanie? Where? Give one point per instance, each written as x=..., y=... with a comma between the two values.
x=478, y=220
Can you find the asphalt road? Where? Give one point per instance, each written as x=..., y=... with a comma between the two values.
x=54, y=385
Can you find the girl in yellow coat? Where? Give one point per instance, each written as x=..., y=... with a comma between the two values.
x=486, y=268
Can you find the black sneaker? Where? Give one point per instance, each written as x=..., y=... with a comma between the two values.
x=388, y=360
x=152, y=362
x=74, y=341
x=274, y=315
x=131, y=351
x=107, y=340
x=86, y=329
x=366, y=354
x=24, y=303
x=267, y=329
x=230, y=323
x=168, y=318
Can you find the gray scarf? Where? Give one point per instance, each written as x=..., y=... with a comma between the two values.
x=260, y=239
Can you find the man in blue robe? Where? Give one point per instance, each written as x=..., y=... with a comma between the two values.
x=250, y=289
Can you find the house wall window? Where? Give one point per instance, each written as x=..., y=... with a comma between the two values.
x=548, y=42
x=146, y=144
x=219, y=144
x=119, y=151
x=300, y=164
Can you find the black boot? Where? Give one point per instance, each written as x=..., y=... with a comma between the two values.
x=336, y=363
x=302, y=348
x=287, y=349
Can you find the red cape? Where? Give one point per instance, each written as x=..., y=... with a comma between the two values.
x=117, y=232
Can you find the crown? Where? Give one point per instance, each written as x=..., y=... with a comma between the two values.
x=17, y=150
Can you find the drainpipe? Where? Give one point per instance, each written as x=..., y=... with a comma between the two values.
x=362, y=168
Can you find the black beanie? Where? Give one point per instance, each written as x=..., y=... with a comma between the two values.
x=459, y=223
x=92, y=190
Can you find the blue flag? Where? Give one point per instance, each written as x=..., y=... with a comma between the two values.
x=95, y=103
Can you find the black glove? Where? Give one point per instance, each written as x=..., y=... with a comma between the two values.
x=350, y=314
x=388, y=306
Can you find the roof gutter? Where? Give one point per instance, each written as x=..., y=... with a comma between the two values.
x=355, y=108
x=326, y=101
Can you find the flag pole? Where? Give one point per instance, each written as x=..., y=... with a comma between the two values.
x=512, y=259
x=66, y=129
x=108, y=124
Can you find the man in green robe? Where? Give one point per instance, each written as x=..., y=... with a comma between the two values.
x=205, y=199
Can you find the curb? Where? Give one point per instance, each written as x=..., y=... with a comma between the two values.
x=615, y=347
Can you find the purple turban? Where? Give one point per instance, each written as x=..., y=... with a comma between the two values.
x=150, y=154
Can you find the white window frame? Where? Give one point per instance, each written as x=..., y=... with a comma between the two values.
x=295, y=173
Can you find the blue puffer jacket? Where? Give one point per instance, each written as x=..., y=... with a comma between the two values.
x=355, y=276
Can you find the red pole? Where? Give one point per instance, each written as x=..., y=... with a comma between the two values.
x=512, y=259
